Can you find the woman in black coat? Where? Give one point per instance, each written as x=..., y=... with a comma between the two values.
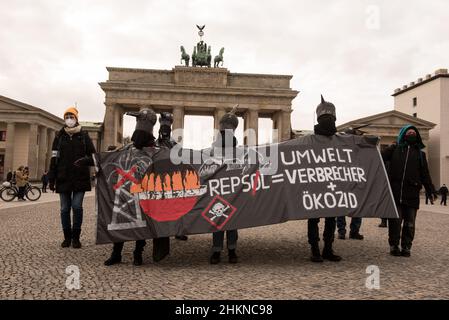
x=69, y=174
x=408, y=173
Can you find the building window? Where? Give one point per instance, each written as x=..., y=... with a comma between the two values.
x=2, y=135
x=415, y=115
x=415, y=102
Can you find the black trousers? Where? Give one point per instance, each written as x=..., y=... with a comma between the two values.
x=444, y=199
x=21, y=193
x=118, y=247
x=161, y=248
x=406, y=222
x=313, y=232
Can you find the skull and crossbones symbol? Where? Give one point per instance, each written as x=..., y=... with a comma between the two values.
x=218, y=211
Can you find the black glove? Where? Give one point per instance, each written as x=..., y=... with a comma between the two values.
x=84, y=162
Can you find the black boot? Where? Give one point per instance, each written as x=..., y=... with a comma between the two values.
x=232, y=256
x=405, y=252
x=341, y=236
x=138, y=259
x=383, y=224
x=182, y=238
x=116, y=256
x=215, y=258
x=394, y=251
x=356, y=236
x=328, y=253
x=67, y=238
x=76, y=238
x=316, y=255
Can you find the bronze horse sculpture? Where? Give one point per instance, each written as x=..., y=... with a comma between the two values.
x=219, y=58
x=185, y=56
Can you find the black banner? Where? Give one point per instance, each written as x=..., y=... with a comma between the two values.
x=157, y=192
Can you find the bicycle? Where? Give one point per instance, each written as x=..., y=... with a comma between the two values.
x=10, y=191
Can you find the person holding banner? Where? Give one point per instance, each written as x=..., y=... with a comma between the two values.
x=226, y=143
x=142, y=137
x=165, y=140
x=326, y=117
x=408, y=172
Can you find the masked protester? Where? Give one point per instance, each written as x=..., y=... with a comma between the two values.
x=326, y=127
x=443, y=192
x=408, y=172
x=69, y=174
x=225, y=144
x=165, y=141
x=142, y=138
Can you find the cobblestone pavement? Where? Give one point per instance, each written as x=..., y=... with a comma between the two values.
x=274, y=263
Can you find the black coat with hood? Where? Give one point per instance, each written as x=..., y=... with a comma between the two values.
x=408, y=171
x=67, y=149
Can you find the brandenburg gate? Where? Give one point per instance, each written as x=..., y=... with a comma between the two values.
x=197, y=90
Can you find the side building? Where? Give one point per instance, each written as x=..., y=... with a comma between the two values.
x=26, y=135
x=428, y=99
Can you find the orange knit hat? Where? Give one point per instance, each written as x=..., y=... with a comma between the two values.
x=73, y=111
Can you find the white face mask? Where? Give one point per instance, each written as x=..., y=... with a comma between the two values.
x=70, y=122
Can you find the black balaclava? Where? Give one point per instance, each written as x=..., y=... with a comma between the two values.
x=227, y=125
x=326, y=119
x=143, y=134
x=166, y=121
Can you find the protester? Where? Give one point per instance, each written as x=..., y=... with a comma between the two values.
x=165, y=140
x=69, y=174
x=354, y=228
x=44, y=180
x=408, y=172
x=226, y=142
x=443, y=192
x=142, y=138
x=21, y=182
x=326, y=117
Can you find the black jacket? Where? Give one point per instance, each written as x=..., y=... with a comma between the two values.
x=444, y=191
x=65, y=151
x=408, y=172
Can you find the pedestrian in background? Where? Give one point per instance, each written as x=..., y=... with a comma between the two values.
x=21, y=182
x=44, y=180
x=443, y=192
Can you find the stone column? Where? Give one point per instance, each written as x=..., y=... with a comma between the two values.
x=286, y=125
x=218, y=114
x=276, y=124
x=32, y=151
x=50, y=138
x=251, y=127
x=110, y=129
x=9, y=147
x=118, y=118
x=42, y=155
x=282, y=122
x=178, y=123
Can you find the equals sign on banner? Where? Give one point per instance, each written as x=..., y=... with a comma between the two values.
x=277, y=178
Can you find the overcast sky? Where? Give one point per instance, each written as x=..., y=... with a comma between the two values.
x=53, y=53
